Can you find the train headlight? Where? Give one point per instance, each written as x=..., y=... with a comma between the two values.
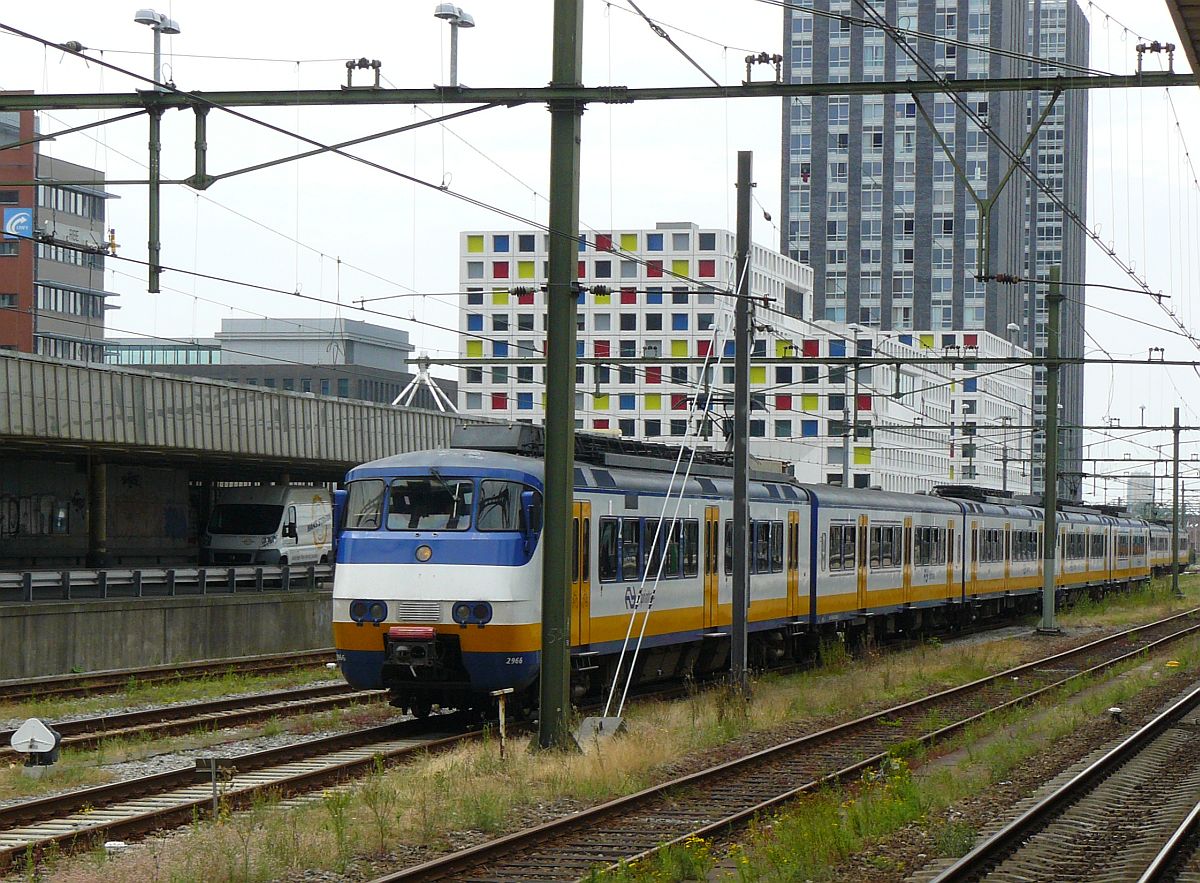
x=377, y=611
x=424, y=553
x=359, y=610
x=467, y=613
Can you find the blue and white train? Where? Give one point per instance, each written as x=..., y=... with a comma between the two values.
x=437, y=590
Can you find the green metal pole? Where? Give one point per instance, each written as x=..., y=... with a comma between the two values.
x=1054, y=299
x=561, y=304
x=1175, y=511
x=153, y=242
x=743, y=335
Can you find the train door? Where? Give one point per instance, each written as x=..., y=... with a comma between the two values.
x=949, y=556
x=908, y=530
x=712, y=552
x=793, y=563
x=581, y=583
x=862, y=562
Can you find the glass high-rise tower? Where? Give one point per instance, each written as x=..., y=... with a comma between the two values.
x=889, y=201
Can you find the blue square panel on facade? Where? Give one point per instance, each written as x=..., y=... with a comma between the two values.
x=500, y=242
x=525, y=401
x=474, y=322
x=627, y=402
x=679, y=321
x=837, y=348
x=499, y=348
x=654, y=242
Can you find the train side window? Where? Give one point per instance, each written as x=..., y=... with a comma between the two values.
x=835, y=547
x=574, y=550
x=656, y=540
x=729, y=547
x=762, y=546
x=631, y=549
x=364, y=504
x=608, y=552
x=587, y=548
x=674, y=568
x=691, y=547
x=849, y=542
x=876, y=546
x=776, y=546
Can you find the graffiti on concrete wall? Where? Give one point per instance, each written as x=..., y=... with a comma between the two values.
x=37, y=515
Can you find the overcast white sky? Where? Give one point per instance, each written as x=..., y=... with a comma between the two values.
x=642, y=163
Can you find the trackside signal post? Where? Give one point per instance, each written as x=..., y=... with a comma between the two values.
x=562, y=291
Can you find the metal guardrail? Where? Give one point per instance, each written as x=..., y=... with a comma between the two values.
x=81, y=585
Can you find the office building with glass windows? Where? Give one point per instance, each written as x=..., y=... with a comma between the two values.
x=655, y=349
x=900, y=204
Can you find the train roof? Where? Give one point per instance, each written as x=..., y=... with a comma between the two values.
x=862, y=498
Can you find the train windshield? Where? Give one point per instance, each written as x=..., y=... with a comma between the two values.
x=433, y=503
x=245, y=518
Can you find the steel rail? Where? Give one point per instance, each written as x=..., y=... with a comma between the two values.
x=168, y=720
x=138, y=806
x=1177, y=845
x=992, y=850
x=80, y=684
x=660, y=800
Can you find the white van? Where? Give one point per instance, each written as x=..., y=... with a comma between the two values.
x=277, y=524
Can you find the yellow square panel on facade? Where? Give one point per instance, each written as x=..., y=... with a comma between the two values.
x=653, y=401
x=862, y=456
x=758, y=374
x=783, y=349
x=679, y=349
x=475, y=349
x=500, y=298
x=926, y=341
x=680, y=267
x=628, y=242
x=474, y=244
x=601, y=402
x=604, y=298
x=525, y=269
x=809, y=402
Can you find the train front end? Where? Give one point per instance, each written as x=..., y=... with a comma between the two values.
x=436, y=591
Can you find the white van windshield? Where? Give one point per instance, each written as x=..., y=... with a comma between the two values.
x=245, y=518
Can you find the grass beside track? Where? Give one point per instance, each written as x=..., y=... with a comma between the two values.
x=455, y=799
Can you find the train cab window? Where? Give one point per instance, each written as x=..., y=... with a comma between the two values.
x=430, y=504
x=609, y=546
x=776, y=546
x=364, y=504
x=691, y=547
x=500, y=505
x=631, y=549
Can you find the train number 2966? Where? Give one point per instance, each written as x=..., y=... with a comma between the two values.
x=515, y=660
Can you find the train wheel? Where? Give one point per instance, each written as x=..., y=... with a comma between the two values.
x=421, y=706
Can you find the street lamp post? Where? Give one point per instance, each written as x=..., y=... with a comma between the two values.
x=160, y=24
x=456, y=18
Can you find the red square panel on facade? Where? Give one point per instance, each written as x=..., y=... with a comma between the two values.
x=582, y=270
x=600, y=423
x=703, y=347
x=603, y=242
x=525, y=300
x=708, y=268
x=678, y=401
x=811, y=349
x=499, y=269
x=499, y=401
x=600, y=348
x=970, y=340
x=654, y=269
x=783, y=403
x=629, y=295
x=654, y=374
x=864, y=401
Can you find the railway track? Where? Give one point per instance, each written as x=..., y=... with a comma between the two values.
x=117, y=679
x=217, y=714
x=1106, y=822
x=133, y=807
x=708, y=802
